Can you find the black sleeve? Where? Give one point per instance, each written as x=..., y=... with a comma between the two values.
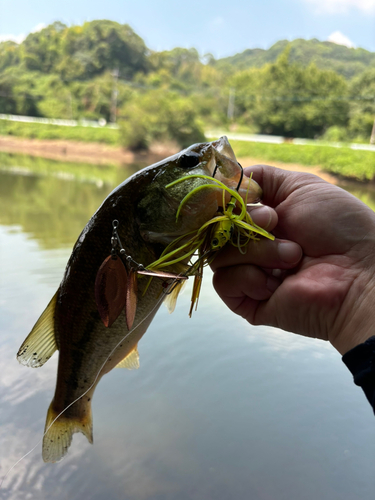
x=361, y=362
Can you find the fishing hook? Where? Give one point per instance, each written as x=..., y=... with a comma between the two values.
x=241, y=177
x=215, y=170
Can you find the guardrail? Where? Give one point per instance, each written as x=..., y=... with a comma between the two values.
x=55, y=121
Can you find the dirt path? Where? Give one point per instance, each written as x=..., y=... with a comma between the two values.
x=88, y=152
x=101, y=154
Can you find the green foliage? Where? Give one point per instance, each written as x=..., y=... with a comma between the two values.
x=90, y=71
x=41, y=131
x=345, y=61
x=41, y=51
x=346, y=162
x=9, y=55
x=286, y=99
x=362, y=108
x=336, y=134
x=99, y=46
x=159, y=116
x=80, y=52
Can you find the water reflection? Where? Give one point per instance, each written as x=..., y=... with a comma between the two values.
x=53, y=209
x=218, y=409
x=365, y=193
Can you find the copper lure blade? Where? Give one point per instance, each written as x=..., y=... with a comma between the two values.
x=110, y=286
x=131, y=298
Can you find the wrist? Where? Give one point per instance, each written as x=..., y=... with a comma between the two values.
x=357, y=322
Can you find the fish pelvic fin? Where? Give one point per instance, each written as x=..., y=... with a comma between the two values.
x=171, y=299
x=40, y=344
x=58, y=435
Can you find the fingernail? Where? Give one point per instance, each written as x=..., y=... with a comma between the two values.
x=289, y=252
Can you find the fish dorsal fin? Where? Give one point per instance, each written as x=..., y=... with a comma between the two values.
x=171, y=299
x=131, y=361
x=40, y=344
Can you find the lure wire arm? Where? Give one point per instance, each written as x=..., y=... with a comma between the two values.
x=116, y=243
x=136, y=266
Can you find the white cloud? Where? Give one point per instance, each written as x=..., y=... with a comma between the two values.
x=13, y=38
x=342, y=6
x=340, y=39
x=39, y=27
x=20, y=38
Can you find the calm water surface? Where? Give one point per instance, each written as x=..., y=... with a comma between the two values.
x=218, y=410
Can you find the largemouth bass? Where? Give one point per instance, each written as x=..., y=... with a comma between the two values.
x=72, y=323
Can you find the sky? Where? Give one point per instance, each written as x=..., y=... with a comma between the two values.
x=216, y=27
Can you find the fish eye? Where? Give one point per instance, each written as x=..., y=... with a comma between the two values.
x=189, y=160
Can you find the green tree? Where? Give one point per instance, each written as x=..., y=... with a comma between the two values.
x=159, y=116
x=99, y=46
x=286, y=99
x=9, y=55
x=362, y=108
x=41, y=51
x=17, y=93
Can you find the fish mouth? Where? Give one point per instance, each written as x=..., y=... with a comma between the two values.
x=224, y=167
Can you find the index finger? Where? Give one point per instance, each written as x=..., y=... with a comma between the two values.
x=277, y=184
x=277, y=254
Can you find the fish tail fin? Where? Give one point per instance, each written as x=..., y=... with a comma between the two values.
x=58, y=434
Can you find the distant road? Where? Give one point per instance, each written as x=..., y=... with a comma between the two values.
x=275, y=139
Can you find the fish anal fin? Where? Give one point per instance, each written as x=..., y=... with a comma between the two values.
x=58, y=435
x=40, y=344
x=131, y=361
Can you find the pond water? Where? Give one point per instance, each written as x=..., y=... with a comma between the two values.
x=218, y=409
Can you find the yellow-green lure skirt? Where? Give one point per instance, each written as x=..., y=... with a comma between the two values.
x=197, y=249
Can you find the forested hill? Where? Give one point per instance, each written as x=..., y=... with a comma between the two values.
x=83, y=52
x=346, y=61
x=104, y=70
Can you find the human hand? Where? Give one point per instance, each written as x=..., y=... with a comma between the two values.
x=325, y=248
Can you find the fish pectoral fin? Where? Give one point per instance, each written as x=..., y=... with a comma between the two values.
x=58, y=434
x=40, y=344
x=131, y=361
x=171, y=298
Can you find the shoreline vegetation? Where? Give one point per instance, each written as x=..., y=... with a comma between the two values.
x=332, y=164
x=103, y=71
x=161, y=102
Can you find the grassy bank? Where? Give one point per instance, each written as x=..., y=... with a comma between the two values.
x=55, y=132
x=346, y=162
